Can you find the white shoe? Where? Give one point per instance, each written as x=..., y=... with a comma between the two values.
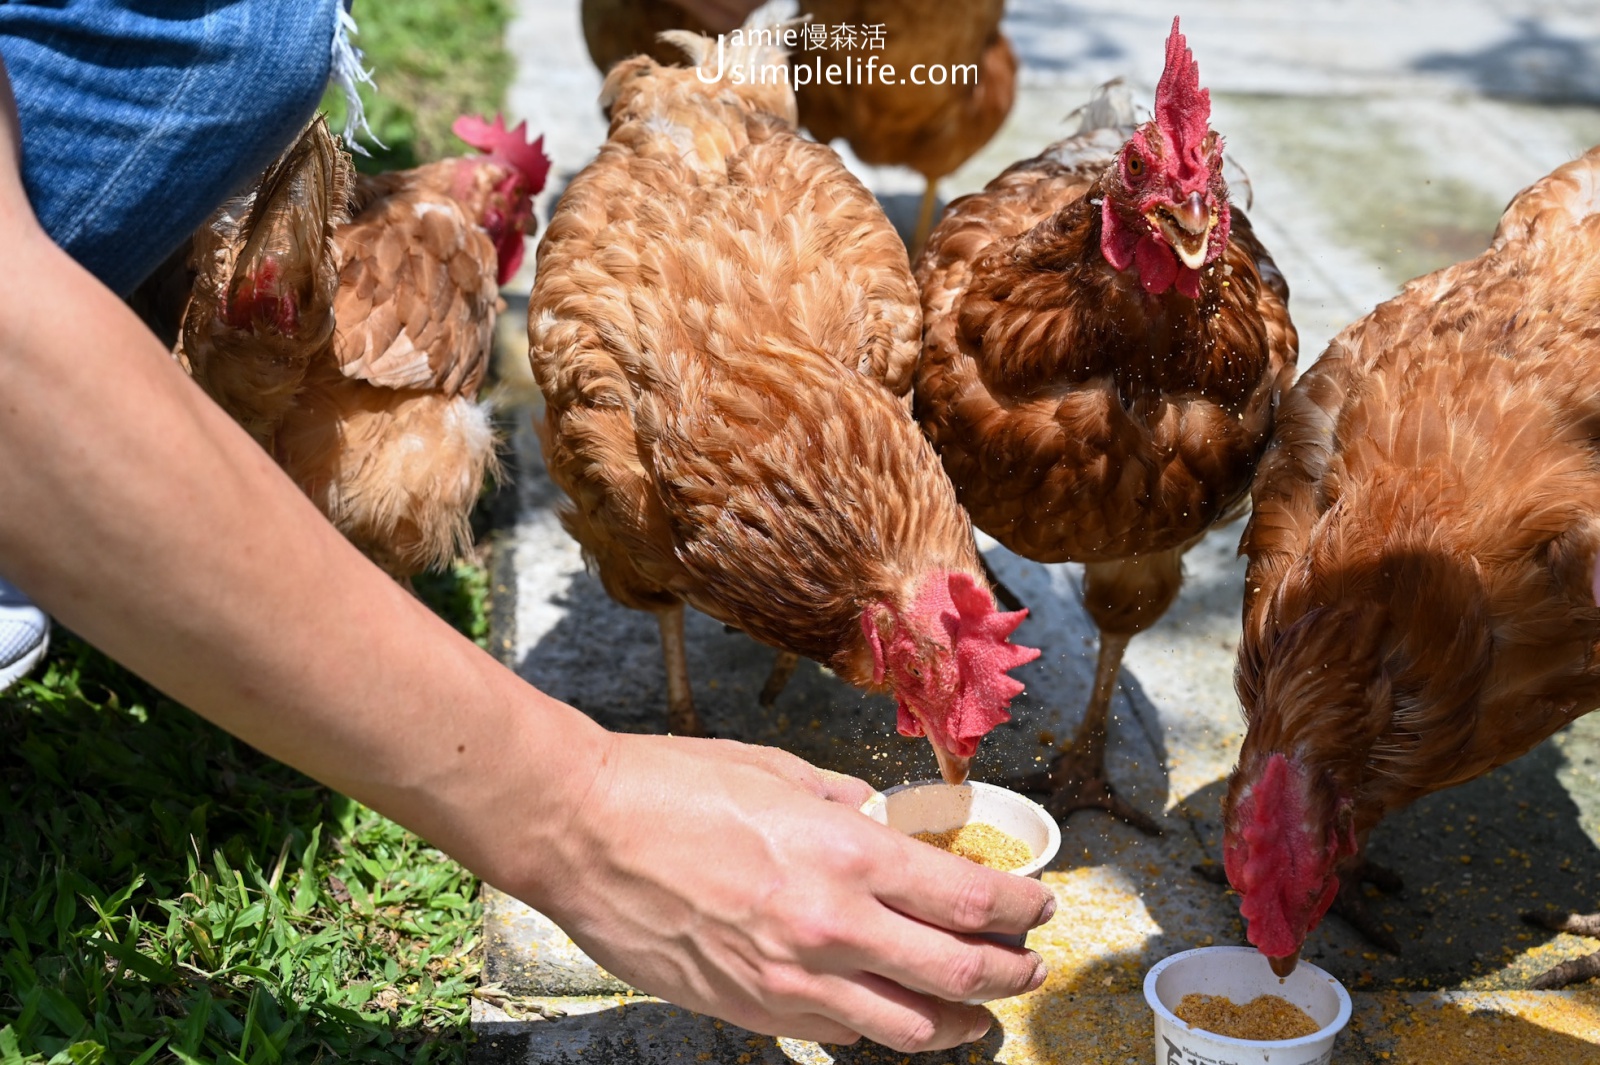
x=24, y=635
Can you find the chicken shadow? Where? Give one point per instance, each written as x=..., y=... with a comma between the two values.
x=576, y=644
x=1532, y=64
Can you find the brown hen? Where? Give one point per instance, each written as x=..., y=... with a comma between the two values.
x=889, y=119
x=353, y=347
x=1422, y=595
x=1105, y=342
x=723, y=327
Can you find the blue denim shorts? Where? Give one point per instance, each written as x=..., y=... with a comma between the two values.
x=139, y=117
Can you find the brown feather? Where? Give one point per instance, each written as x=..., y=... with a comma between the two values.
x=1419, y=605
x=1079, y=418
x=932, y=129
x=290, y=218
x=376, y=419
x=724, y=327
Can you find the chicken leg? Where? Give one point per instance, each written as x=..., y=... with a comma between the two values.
x=1124, y=598
x=682, y=718
x=1578, y=969
x=778, y=679
x=930, y=201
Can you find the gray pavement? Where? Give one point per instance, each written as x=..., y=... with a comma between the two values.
x=1381, y=140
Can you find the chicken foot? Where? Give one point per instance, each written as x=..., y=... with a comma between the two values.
x=1076, y=779
x=1578, y=969
x=1124, y=597
x=682, y=718
x=778, y=679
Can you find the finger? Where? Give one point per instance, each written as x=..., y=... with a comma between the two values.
x=815, y=1028
x=949, y=967
x=899, y=1018
x=949, y=892
x=844, y=789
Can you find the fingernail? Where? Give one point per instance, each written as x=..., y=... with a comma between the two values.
x=1040, y=971
x=1049, y=910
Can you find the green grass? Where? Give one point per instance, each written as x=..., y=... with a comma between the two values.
x=170, y=895
x=460, y=596
x=432, y=60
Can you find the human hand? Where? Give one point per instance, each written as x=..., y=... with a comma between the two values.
x=720, y=16
x=742, y=882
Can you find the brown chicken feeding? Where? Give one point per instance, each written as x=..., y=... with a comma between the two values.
x=723, y=326
x=347, y=325
x=1105, y=343
x=1421, y=604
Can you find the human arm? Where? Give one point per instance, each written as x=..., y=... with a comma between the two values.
x=716, y=874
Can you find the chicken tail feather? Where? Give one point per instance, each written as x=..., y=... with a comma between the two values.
x=266, y=273
x=285, y=274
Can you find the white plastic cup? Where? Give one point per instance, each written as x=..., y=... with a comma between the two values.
x=1241, y=974
x=934, y=806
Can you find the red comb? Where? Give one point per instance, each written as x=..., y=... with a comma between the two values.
x=1183, y=108
x=987, y=655
x=512, y=145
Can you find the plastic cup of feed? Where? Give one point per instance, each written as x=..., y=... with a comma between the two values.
x=934, y=806
x=1242, y=974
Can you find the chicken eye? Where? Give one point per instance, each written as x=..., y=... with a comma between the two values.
x=915, y=671
x=1135, y=165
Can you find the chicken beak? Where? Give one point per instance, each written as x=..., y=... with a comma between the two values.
x=952, y=767
x=1187, y=228
x=1282, y=967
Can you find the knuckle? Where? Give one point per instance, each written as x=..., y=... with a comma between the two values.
x=975, y=899
x=852, y=858
x=789, y=985
x=963, y=975
x=913, y=1034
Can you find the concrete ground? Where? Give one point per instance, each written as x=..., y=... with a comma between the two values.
x=1381, y=140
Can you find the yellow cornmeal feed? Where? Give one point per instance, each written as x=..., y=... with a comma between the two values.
x=1265, y=1017
x=983, y=844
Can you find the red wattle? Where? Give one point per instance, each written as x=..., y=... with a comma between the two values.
x=1156, y=265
